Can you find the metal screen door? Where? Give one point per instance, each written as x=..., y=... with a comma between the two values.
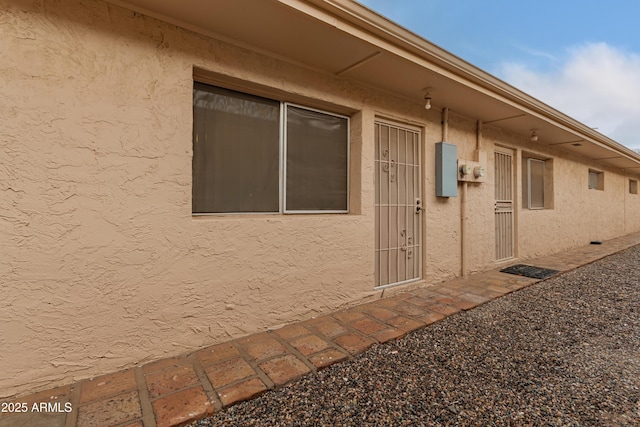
x=504, y=204
x=398, y=205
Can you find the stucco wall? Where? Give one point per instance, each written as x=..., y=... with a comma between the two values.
x=579, y=214
x=102, y=264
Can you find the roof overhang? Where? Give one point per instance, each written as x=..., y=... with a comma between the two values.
x=346, y=39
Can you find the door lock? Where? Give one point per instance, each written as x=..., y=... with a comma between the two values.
x=418, y=206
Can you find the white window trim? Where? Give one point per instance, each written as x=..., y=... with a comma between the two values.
x=281, y=161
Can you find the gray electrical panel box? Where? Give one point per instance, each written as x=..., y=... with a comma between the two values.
x=446, y=170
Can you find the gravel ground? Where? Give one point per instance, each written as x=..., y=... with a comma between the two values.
x=564, y=352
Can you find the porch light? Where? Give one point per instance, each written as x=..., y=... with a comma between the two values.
x=534, y=135
x=427, y=98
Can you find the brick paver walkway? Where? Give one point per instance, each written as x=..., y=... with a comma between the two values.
x=173, y=391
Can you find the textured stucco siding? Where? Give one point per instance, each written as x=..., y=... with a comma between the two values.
x=102, y=265
x=579, y=214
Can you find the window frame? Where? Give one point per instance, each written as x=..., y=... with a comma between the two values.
x=282, y=159
x=633, y=186
x=599, y=180
x=544, y=164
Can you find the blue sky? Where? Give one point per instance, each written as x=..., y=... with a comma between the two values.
x=579, y=56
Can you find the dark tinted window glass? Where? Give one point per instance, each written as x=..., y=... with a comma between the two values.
x=235, y=151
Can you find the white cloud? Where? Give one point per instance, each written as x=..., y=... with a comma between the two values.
x=596, y=84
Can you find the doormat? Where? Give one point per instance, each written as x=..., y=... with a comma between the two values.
x=529, y=271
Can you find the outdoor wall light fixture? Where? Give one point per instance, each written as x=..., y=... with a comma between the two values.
x=534, y=135
x=427, y=98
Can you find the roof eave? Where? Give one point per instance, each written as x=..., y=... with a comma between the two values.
x=374, y=23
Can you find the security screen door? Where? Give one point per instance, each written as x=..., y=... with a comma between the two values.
x=504, y=203
x=398, y=204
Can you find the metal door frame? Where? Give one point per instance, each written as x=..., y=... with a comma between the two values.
x=501, y=206
x=411, y=250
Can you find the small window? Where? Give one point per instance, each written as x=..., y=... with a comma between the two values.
x=633, y=186
x=257, y=155
x=537, y=182
x=596, y=180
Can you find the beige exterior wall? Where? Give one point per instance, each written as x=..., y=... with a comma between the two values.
x=102, y=264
